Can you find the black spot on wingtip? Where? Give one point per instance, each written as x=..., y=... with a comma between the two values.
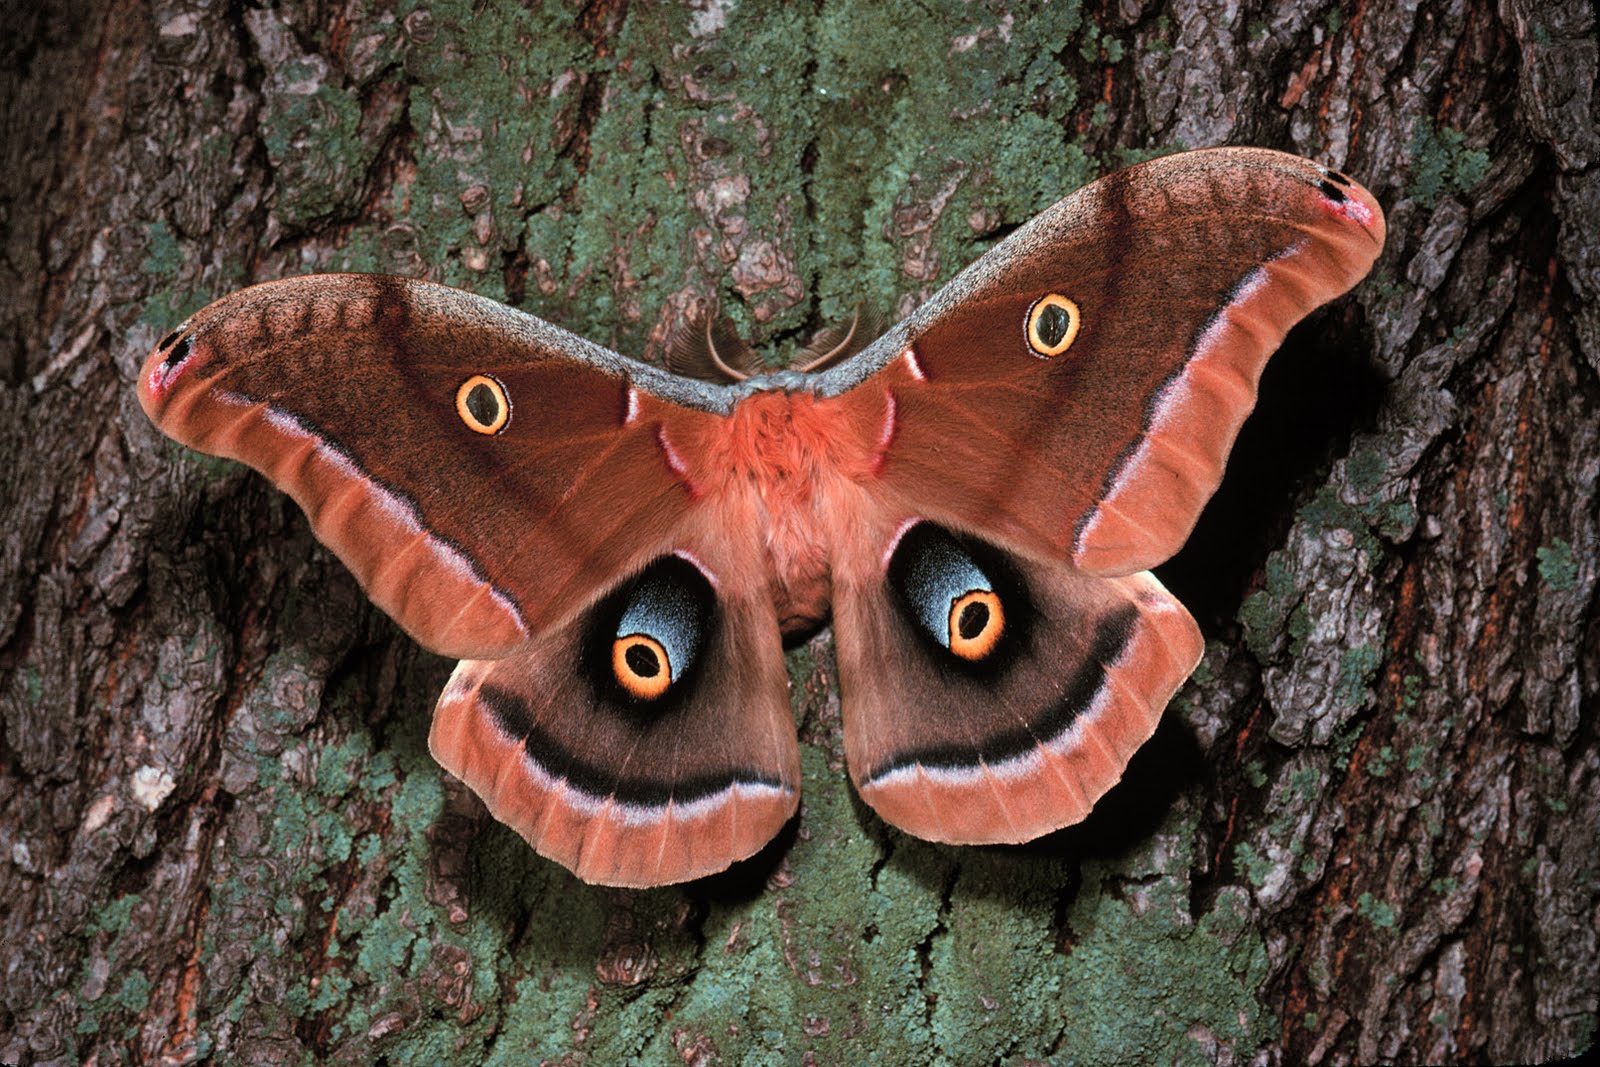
x=1335, y=176
x=166, y=342
x=178, y=353
x=1332, y=192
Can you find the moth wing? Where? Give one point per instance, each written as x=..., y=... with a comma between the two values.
x=1025, y=737
x=505, y=527
x=1166, y=286
x=350, y=392
x=632, y=790
x=1063, y=409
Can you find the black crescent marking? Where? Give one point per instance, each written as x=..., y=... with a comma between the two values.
x=512, y=716
x=1111, y=637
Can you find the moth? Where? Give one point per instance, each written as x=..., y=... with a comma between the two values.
x=618, y=554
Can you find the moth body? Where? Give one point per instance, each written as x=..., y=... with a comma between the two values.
x=793, y=470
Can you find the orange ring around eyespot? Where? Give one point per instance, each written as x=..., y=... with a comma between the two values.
x=1074, y=320
x=466, y=414
x=980, y=644
x=643, y=686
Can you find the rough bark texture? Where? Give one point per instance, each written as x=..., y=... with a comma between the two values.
x=1367, y=829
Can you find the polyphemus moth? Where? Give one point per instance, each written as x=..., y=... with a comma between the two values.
x=618, y=554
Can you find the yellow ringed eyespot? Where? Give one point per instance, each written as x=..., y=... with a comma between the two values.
x=641, y=666
x=976, y=623
x=1053, y=323
x=482, y=403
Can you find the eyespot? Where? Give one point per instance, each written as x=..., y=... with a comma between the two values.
x=482, y=404
x=661, y=621
x=641, y=665
x=1053, y=322
x=976, y=623
x=947, y=592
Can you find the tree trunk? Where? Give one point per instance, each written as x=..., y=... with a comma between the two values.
x=1365, y=831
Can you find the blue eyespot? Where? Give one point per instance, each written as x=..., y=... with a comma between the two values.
x=949, y=594
x=661, y=629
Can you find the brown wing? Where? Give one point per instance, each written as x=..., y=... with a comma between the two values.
x=645, y=772
x=1076, y=391
x=1057, y=417
x=509, y=494
x=990, y=698
x=355, y=395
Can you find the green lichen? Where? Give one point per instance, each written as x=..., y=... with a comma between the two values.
x=1005, y=155
x=312, y=138
x=1410, y=691
x=1381, y=763
x=1326, y=511
x=211, y=468
x=803, y=958
x=1364, y=470
x=1357, y=668
x=1137, y=986
x=1265, y=613
x=134, y=994
x=1377, y=912
x=800, y=663
x=1161, y=43
x=1345, y=739
x=1373, y=511
x=1255, y=866
x=32, y=683
x=1304, y=782
x=1442, y=163
x=1558, y=566
x=164, y=257
x=112, y=918
x=339, y=764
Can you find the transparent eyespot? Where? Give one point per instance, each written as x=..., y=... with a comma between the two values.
x=1053, y=323
x=976, y=623
x=482, y=404
x=660, y=627
x=641, y=665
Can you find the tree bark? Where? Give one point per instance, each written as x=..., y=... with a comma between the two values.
x=1364, y=832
